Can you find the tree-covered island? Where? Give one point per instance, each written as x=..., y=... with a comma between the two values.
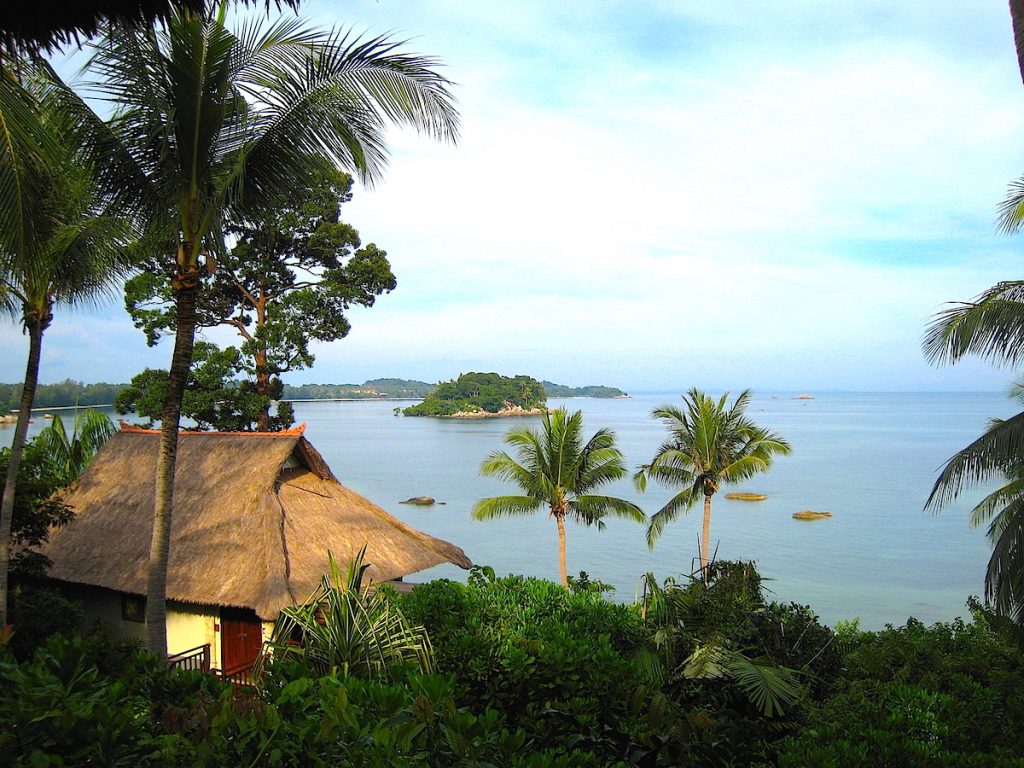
x=474, y=395
x=560, y=390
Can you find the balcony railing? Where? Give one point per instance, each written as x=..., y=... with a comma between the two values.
x=197, y=659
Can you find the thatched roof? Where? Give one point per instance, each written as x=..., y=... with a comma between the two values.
x=254, y=517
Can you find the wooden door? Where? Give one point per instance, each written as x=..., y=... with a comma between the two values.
x=241, y=639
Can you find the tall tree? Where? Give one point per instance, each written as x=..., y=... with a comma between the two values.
x=556, y=469
x=214, y=397
x=69, y=250
x=288, y=281
x=710, y=443
x=209, y=125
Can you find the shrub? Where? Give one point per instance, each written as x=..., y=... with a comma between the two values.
x=37, y=613
x=946, y=695
x=556, y=663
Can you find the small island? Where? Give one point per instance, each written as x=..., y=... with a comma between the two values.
x=560, y=390
x=483, y=395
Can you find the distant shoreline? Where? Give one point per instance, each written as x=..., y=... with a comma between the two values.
x=352, y=400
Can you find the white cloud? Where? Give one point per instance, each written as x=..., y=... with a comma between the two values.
x=693, y=191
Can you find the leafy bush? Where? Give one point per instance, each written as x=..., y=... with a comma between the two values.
x=57, y=709
x=37, y=613
x=947, y=695
x=345, y=628
x=531, y=649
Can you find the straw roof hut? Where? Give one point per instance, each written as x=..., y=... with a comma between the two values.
x=254, y=517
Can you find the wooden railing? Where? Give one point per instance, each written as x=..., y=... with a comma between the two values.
x=197, y=659
x=242, y=677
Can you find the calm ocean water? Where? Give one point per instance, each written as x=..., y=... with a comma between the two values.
x=869, y=458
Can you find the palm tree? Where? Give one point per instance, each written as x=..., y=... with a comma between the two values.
x=990, y=327
x=210, y=123
x=72, y=253
x=72, y=453
x=554, y=468
x=711, y=443
x=996, y=454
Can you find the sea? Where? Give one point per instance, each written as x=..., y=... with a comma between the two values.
x=868, y=458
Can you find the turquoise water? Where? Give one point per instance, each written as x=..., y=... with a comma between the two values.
x=870, y=459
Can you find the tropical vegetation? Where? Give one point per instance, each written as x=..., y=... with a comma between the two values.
x=287, y=282
x=711, y=443
x=66, y=246
x=990, y=327
x=72, y=453
x=62, y=394
x=560, y=390
x=216, y=396
x=481, y=393
x=212, y=126
x=555, y=468
x=349, y=627
x=526, y=673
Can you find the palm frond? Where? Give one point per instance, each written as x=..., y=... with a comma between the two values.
x=590, y=508
x=505, y=506
x=988, y=456
x=991, y=327
x=679, y=504
x=346, y=628
x=769, y=687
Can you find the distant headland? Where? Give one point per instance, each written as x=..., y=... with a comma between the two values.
x=71, y=393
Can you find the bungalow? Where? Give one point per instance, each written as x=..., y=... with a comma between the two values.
x=254, y=517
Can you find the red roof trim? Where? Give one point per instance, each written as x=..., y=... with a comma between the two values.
x=296, y=431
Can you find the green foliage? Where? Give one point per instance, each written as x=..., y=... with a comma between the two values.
x=346, y=628
x=57, y=709
x=35, y=509
x=560, y=390
x=996, y=455
x=711, y=443
x=287, y=282
x=583, y=583
x=719, y=628
x=61, y=708
x=63, y=394
x=72, y=453
x=946, y=695
x=555, y=468
x=371, y=389
x=38, y=613
x=214, y=396
x=481, y=392
x=527, y=647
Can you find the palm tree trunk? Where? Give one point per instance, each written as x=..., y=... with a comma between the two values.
x=705, y=536
x=181, y=361
x=1017, y=21
x=560, y=520
x=35, y=324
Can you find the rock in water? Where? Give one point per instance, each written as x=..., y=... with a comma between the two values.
x=744, y=496
x=810, y=514
x=420, y=501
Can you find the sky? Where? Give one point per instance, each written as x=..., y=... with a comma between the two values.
x=669, y=194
